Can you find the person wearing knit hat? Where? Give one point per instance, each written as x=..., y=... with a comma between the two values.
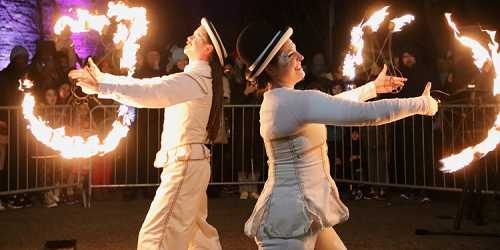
x=9, y=76
x=300, y=202
x=18, y=51
x=192, y=101
x=177, y=61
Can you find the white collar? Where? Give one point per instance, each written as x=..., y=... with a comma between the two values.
x=199, y=67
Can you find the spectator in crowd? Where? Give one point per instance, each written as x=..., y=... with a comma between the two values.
x=63, y=65
x=4, y=140
x=339, y=81
x=336, y=88
x=318, y=67
x=44, y=68
x=249, y=171
x=10, y=96
x=52, y=115
x=377, y=141
x=334, y=139
x=356, y=166
x=64, y=94
x=178, y=61
x=236, y=75
x=9, y=77
x=414, y=134
x=151, y=67
x=83, y=126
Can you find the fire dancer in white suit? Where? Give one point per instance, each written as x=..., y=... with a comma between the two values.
x=193, y=104
x=300, y=202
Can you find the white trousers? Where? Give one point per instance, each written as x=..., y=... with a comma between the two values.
x=177, y=217
x=326, y=239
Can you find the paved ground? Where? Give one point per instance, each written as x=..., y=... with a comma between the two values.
x=113, y=224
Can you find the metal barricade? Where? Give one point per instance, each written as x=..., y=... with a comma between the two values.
x=406, y=153
x=238, y=156
x=403, y=154
x=26, y=164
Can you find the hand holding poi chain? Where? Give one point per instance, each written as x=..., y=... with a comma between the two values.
x=88, y=78
x=388, y=84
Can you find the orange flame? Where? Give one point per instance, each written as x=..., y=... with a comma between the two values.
x=355, y=57
x=131, y=27
x=84, y=22
x=376, y=19
x=137, y=29
x=69, y=146
x=481, y=56
x=479, y=53
x=402, y=21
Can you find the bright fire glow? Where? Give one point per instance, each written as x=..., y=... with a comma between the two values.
x=138, y=27
x=481, y=56
x=72, y=146
x=83, y=23
x=355, y=56
x=400, y=22
x=377, y=18
x=132, y=25
x=479, y=53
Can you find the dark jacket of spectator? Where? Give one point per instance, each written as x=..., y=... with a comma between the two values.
x=9, y=76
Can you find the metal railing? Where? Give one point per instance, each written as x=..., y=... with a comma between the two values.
x=404, y=154
x=27, y=165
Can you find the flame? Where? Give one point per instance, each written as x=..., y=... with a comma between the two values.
x=72, y=146
x=83, y=23
x=138, y=28
x=481, y=56
x=376, y=19
x=132, y=26
x=400, y=22
x=355, y=56
x=121, y=33
x=479, y=53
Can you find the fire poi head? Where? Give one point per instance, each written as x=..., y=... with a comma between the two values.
x=480, y=55
x=132, y=25
x=355, y=55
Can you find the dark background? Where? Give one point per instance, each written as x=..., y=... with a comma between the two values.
x=319, y=25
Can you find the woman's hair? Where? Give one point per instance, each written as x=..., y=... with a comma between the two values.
x=264, y=78
x=216, y=110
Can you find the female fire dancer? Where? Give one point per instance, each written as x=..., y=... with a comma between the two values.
x=300, y=202
x=193, y=106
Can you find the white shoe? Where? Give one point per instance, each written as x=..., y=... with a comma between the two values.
x=57, y=193
x=49, y=202
x=54, y=195
x=254, y=195
x=243, y=195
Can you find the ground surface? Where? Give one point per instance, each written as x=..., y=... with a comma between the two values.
x=112, y=223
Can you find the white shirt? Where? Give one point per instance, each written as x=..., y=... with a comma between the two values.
x=186, y=98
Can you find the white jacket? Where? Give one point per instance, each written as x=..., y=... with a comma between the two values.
x=187, y=99
x=299, y=191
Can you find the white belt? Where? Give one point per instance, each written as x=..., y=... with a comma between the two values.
x=185, y=152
